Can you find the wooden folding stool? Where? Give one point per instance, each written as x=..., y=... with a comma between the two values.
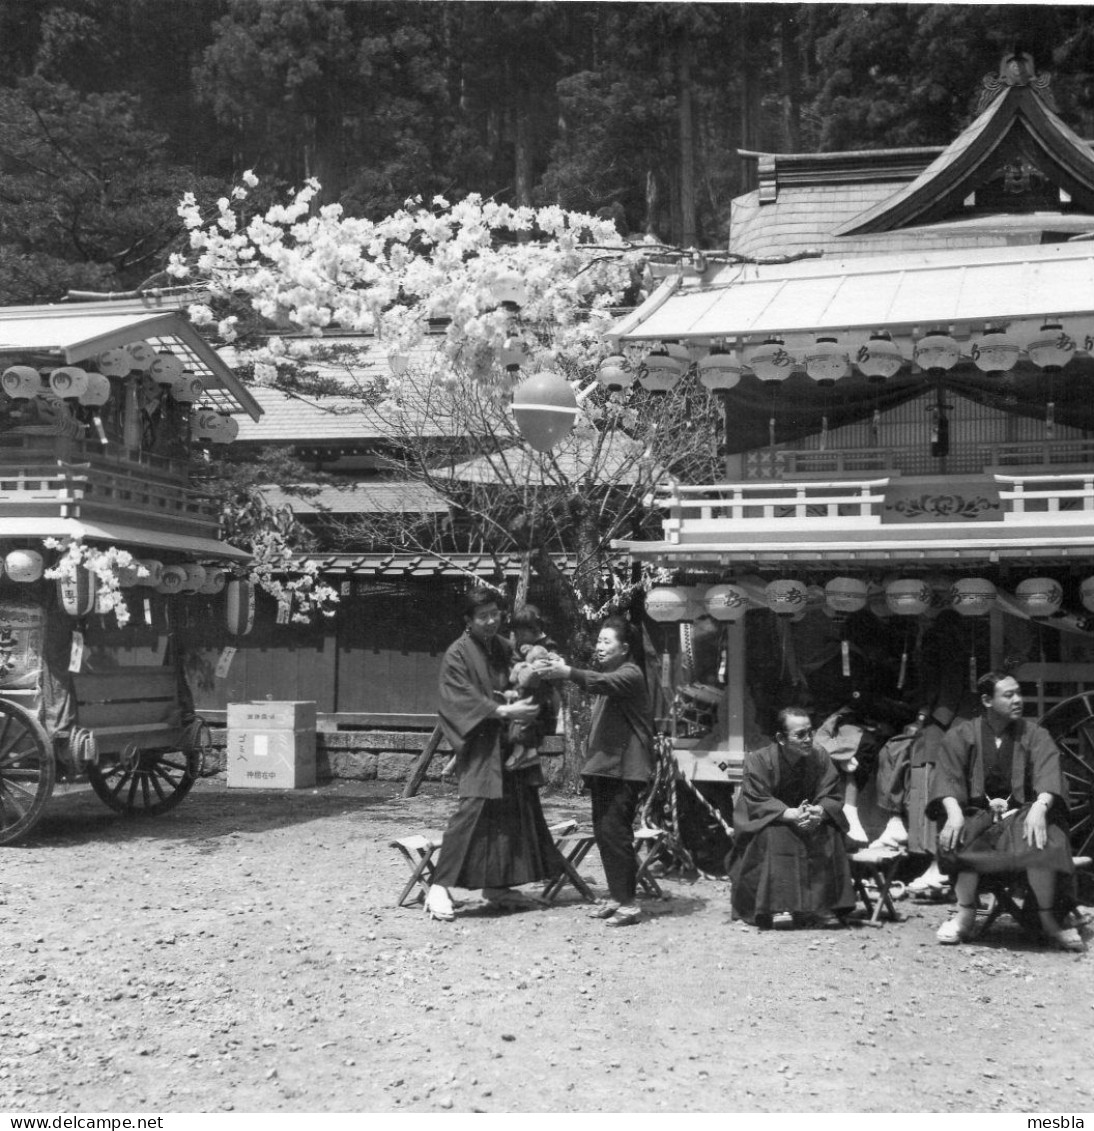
x=573, y=847
x=419, y=851
x=649, y=847
x=876, y=866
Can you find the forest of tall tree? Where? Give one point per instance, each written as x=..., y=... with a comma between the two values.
x=111, y=109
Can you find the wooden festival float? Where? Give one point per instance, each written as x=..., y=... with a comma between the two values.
x=102, y=536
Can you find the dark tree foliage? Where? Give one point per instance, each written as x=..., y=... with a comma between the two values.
x=109, y=109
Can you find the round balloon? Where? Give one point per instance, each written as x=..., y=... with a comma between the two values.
x=545, y=407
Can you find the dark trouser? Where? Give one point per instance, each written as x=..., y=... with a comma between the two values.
x=615, y=803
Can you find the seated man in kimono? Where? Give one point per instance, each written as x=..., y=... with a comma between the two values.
x=789, y=827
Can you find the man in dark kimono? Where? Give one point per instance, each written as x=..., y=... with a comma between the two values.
x=788, y=823
x=498, y=838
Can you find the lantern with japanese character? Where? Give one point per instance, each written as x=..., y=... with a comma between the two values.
x=1039, y=596
x=726, y=603
x=973, y=596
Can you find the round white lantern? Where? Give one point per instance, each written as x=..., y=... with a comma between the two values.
x=165, y=369
x=995, y=352
x=771, y=361
x=827, y=362
x=97, y=391
x=21, y=382
x=973, y=596
x=908, y=597
x=215, y=580
x=846, y=594
x=1052, y=349
x=68, y=382
x=114, y=363
x=513, y=354
x=720, y=370
x=24, y=565
x=1086, y=594
x=614, y=373
x=667, y=604
x=508, y=289
x=1039, y=596
x=153, y=572
x=172, y=580
x=187, y=388
x=726, y=603
x=204, y=424
x=879, y=358
x=663, y=367
x=786, y=598
x=141, y=356
x=937, y=350
x=195, y=578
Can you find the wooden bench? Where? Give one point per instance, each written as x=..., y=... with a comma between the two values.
x=130, y=706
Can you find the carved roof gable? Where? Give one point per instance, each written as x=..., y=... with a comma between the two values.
x=1018, y=156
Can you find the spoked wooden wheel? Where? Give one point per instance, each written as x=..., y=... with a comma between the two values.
x=146, y=782
x=1071, y=724
x=27, y=770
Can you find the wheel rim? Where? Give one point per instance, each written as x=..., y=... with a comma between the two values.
x=27, y=771
x=1071, y=724
x=151, y=782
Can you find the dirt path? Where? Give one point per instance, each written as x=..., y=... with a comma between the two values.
x=243, y=953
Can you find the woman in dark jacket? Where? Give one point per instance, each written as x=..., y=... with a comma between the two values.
x=497, y=837
x=620, y=759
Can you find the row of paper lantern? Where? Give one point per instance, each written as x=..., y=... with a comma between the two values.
x=78, y=591
x=970, y=596
x=827, y=361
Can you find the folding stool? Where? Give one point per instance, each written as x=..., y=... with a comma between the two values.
x=649, y=847
x=573, y=847
x=876, y=866
x=419, y=851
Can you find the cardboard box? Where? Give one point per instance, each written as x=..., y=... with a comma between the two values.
x=271, y=759
x=266, y=714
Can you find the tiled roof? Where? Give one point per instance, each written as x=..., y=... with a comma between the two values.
x=384, y=496
x=434, y=565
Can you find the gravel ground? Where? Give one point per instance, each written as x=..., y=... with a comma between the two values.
x=244, y=953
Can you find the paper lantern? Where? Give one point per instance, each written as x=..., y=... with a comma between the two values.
x=995, y=352
x=936, y=350
x=24, y=565
x=879, y=359
x=240, y=607
x=97, y=391
x=545, y=408
x=141, y=356
x=720, y=370
x=786, y=598
x=508, y=289
x=68, y=382
x=1086, y=594
x=114, y=363
x=153, y=572
x=172, y=580
x=908, y=597
x=215, y=580
x=973, y=596
x=165, y=369
x=203, y=424
x=77, y=592
x=726, y=603
x=826, y=362
x=513, y=354
x=1052, y=349
x=128, y=575
x=187, y=388
x=21, y=382
x=195, y=578
x=771, y=361
x=667, y=604
x=663, y=367
x=846, y=594
x=1039, y=596
x=614, y=373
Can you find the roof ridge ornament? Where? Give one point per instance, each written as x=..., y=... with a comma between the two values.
x=1016, y=68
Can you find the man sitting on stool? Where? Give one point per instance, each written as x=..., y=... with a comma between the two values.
x=788, y=847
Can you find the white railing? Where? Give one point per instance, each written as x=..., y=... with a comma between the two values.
x=1036, y=499
x=714, y=508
